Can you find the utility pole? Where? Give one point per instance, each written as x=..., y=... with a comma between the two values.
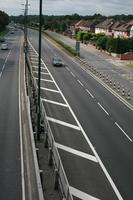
x=39, y=74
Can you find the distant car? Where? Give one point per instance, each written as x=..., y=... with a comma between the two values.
x=4, y=46
x=12, y=32
x=56, y=61
x=2, y=39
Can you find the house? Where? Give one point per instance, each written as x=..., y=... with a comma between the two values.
x=86, y=25
x=114, y=28
x=125, y=30
x=105, y=27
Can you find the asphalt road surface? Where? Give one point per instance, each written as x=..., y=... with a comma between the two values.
x=10, y=159
x=92, y=128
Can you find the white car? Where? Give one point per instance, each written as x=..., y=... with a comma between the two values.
x=4, y=46
x=57, y=61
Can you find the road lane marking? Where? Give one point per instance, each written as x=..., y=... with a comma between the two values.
x=36, y=66
x=73, y=74
x=54, y=102
x=56, y=91
x=45, y=73
x=4, y=64
x=80, y=83
x=76, y=152
x=82, y=195
x=47, y=80
x=89, y=93
x=123, y=131
x=63, y=123
x=103, y=108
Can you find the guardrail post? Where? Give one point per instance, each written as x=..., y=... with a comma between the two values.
x=56, y=181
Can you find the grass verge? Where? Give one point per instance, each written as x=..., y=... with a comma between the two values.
x=62, y=44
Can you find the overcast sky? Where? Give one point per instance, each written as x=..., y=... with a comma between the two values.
x=63, y=7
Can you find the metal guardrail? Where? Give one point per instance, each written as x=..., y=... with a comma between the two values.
x=60, y=179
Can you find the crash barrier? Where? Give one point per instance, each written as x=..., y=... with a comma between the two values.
x=60, y=179
x=35, y=160
x=107, y=79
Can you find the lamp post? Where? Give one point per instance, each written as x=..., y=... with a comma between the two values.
x=39, y=72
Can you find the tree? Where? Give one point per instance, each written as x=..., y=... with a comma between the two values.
x=101, y=42
x=4, y=20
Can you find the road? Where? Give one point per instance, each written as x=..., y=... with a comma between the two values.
x=104, y=63
x=10, y=159
x=92, y=128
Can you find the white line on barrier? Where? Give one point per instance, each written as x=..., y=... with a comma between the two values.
x=54, y=102
x=62, y=123
x=123, y=131
x=76, y=152
x=81, y=195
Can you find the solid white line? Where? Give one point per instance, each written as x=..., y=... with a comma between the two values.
x=80, y=83
x=21, y=143
x=62, y=123
x=54, y=102
x=47, y=80
x=123, y=131
x=81, y=195
x=56, y=91
x=73, y=74
x=45, y=73
x=76, y=152
x=103, y=108
x=36, y=66
x=89, y=93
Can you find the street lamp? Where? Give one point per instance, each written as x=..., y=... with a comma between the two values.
x=39, y=73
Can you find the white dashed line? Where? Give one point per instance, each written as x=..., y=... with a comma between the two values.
x=54, y=102
x=76, y=152
x=103, y=108
x=89, y=93
x=67, y=68
x=63, y=123
x=80, y=83
x=123, y=131
x=73, y=74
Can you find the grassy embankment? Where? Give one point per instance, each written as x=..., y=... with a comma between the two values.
x=62, y=44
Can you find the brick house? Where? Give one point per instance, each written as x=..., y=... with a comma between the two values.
x=124, y=30
x=105, y=27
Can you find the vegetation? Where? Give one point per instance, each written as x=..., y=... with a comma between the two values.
x=65, y=46
x=4, y=20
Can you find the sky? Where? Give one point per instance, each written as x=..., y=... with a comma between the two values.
x=64, y=7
